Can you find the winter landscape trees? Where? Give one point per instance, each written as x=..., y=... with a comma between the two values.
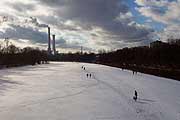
x=11, y=56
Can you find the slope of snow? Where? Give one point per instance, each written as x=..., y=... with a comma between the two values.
x=61, y=91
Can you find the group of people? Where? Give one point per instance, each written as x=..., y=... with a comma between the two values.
x=83, y=68
x=134, y=72
x=88, y=75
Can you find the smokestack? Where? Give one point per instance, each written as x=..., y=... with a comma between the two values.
x=54, y=44
x=49, y=40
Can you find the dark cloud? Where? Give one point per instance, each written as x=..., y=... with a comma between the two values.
x=34, y=21
x=100, y=13
x=87, y=10
x=158, y=10
x=54, y=3
x=94, y=35
x=56, y=23
x=63, y=44
x=17, y=32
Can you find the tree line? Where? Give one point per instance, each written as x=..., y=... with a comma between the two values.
x=74, y=57
x=159, y=58
x=11, y=56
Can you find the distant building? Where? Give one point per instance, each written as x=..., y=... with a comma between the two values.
x=158, y=44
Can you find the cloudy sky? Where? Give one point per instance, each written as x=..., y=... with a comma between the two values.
x=93, y=24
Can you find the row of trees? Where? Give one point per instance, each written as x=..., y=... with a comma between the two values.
x=159, y=54
x=74, y=57
x=162, y=59
x=159, y=58
x=14, y=56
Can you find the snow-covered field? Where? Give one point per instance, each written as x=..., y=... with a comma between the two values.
x=61, y=91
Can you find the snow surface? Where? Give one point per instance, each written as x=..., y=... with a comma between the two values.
x=61, y=91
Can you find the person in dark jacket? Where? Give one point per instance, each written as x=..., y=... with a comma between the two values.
x=135, y=95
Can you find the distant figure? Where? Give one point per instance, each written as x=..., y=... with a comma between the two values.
x=133, y=72
x=87, y=75
x=135, y=95
x=82, y=67
x=90, y=75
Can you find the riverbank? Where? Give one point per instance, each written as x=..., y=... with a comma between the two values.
x=157, y=71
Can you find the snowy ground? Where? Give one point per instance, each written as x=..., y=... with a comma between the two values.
x=61, y=91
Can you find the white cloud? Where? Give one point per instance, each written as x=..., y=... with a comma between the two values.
x=171, y=31
x=165, y=12
x=159, y=3
x=160, y=10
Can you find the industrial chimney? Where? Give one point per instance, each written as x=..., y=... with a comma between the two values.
x=49, y=40
x=54, y=44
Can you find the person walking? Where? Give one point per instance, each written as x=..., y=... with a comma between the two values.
x=135, y=95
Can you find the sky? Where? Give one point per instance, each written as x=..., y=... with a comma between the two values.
x=93, y=24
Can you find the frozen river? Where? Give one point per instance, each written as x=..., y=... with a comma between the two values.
x=62, y=91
